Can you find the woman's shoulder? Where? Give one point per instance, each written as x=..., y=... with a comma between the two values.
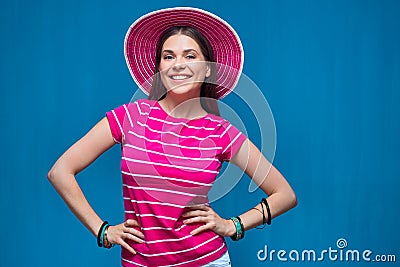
x=142, y=101
x=140, y=104
x=217, y=119
x=224, y=125
x=133, y=107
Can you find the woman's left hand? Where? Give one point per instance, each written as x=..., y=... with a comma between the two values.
x=205, y=214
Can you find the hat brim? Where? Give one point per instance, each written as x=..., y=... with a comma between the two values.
x=142, y=36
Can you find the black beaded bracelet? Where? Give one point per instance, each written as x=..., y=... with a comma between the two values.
x=99, y=235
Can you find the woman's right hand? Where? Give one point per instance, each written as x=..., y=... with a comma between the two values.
x=117, y=234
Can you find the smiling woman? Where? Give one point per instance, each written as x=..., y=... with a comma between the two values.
x=173, y=146
x=183, y=69
x=184, y=61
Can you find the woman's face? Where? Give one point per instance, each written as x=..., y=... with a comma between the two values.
x=182, y=66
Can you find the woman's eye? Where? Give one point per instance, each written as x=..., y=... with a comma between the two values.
x=190, y=56
x=168, y=57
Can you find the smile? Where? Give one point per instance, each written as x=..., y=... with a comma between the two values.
x=180, y=77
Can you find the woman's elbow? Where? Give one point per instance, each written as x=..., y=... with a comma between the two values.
x=292, y=199
x=55, y=172
x=51, y=175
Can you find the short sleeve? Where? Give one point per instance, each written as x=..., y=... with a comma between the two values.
x=231, y=139
x=116, y=118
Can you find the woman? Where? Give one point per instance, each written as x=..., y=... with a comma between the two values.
x=173, y=145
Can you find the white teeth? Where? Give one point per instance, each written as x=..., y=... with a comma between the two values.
x=180, y=77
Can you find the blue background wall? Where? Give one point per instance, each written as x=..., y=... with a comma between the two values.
x=329, y=69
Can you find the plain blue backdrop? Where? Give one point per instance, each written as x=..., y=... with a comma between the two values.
x=329, y=69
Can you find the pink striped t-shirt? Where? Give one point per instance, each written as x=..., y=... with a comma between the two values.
x=167, y=165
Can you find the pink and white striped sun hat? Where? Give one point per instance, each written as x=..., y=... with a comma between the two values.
x=142, y=36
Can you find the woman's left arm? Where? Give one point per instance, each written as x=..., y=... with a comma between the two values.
x=281, y=196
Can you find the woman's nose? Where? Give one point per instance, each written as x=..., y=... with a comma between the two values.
x=180, y=64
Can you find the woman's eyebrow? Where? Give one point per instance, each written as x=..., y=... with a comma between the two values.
x=190, y=50
x=184, y=51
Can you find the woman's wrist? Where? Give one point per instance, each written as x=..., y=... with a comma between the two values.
x=230, y=228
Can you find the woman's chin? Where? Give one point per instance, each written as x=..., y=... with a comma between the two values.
x=185, y=89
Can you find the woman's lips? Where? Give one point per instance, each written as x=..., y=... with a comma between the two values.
x=180, y=77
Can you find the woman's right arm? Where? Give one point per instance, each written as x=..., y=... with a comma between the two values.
x=75, y=159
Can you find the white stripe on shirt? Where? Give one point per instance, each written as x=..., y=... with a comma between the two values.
x=129, y=115
x=230, y=144
x=168, y=240
x=175, y=145
x=154, y=203
x=227, y=128
x=150, y=106
x=168, y=165
x=157, y=216
x=175, y=134
x=182, y=123
x=163, y=190
x=168, y=155
x=165, y=178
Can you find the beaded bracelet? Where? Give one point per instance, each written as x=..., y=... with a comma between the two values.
x=239, y=229
x=106, y=243
x=100, y=234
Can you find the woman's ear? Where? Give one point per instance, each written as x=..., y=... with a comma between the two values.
x=208, y=71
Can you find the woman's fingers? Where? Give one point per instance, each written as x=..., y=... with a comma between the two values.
x=132, y=231
x=199, y=213
x=133, y=237
x=130, y=223
x=118, y=234
x=205, y=214
x=126, y=246
x=197, y=218
x=195, y=213
x=199, y=207
x=201, y=229
x=198, y=210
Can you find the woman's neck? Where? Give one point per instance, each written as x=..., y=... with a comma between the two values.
x=181, y=106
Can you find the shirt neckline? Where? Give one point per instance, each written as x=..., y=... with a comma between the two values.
x=176, y=118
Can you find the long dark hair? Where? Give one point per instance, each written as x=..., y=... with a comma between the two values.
x=208, y=88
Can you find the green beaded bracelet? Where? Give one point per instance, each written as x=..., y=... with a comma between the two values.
x=239, y=229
